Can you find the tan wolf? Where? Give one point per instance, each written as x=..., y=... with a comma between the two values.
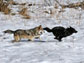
x=30, y=34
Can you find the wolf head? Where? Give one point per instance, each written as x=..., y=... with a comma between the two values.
x=40, y=30
x=72, y=30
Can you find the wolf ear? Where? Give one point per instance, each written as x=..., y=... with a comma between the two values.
x=70, y=27
x=40, y=26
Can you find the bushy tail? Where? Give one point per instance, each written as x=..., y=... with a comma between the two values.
x=9, y=31
x=47, y=29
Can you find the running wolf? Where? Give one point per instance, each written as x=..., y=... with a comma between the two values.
x=30, y=34
x=60, y=32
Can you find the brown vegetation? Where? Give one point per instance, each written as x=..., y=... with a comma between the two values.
x=4, y=8
x=23, y=12
x=74, y=5
x=12, y=2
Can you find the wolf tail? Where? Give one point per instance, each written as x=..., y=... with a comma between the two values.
x=47, y=29
x=9, y=31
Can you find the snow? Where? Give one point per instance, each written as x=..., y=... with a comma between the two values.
x=49, y=50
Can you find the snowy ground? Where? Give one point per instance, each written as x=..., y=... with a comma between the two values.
x=70, y=50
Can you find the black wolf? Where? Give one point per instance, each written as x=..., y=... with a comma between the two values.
x=60, y=32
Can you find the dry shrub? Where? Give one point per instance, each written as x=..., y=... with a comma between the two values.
x=11, y=2
x=23, y=12
x=4, y=8
x=30, y=4
x=74, y=5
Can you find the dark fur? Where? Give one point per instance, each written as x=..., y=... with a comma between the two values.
x=8, y=31
x=60, y=32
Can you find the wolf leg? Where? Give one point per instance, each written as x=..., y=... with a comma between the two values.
x=16, y=38
x=31, y=39
x=60, y=39
x=39, y=38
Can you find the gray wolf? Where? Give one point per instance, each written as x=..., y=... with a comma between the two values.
x=30, y=34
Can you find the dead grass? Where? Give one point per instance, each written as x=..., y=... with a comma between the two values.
x=12, y=2
x=74, y=5
x=4, y=8
x=24, y=13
